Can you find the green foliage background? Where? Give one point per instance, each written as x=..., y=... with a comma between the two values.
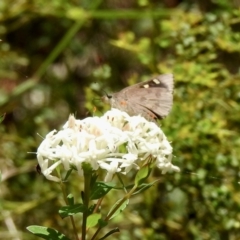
x=58, y=57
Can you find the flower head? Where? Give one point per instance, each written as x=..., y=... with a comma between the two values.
x=115, y=142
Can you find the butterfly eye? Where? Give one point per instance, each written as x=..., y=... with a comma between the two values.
x=107, y=95
x=107, y=98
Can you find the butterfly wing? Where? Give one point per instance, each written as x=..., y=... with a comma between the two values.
x=161, y=81
x=159, y=102
x=151, y=99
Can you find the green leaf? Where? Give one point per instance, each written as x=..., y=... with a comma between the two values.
x=71, y=210
x=46, y=233
x=93, y=179
x=70, y=199
x=76, y=13
x=100, y=189
x=109, y=233
x=67, y=174
x=142, y=174
x=120, y=209
x=102, y=72
x=102, y=223
x=144, y=187
x=91, y=209
x=2, y=117
x=93, y=219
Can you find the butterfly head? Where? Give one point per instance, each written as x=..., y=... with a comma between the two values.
x=108, y=99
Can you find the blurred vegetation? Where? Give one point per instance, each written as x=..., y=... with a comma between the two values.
x=58, y=57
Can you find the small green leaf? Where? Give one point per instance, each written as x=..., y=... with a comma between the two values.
x=144, y=187
x=120, y=209
x=67, y=174
x=104, y=72
x=142, y=174
x=93, y=219
x=70, y=199
x=76, y=13
x=91, y=209
x=93, y=179
x=46, y=233
x=2, y=117
x=71, y=210
x=100, y=189
x=102, y=223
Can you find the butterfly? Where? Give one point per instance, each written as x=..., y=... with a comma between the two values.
x=151, y=99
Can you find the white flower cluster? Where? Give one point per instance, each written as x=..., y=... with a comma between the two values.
x=115, y=142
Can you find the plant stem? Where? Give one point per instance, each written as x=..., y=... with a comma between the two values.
x=71, y=217
x=87, y=181
x=126, y=197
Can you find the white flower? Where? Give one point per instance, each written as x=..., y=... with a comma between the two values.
x=111, y=168
x=114, y=142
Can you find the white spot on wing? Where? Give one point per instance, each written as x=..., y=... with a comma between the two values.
x=156, y=81
x=146, y=86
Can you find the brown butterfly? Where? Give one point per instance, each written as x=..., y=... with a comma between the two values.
x=151, y=99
